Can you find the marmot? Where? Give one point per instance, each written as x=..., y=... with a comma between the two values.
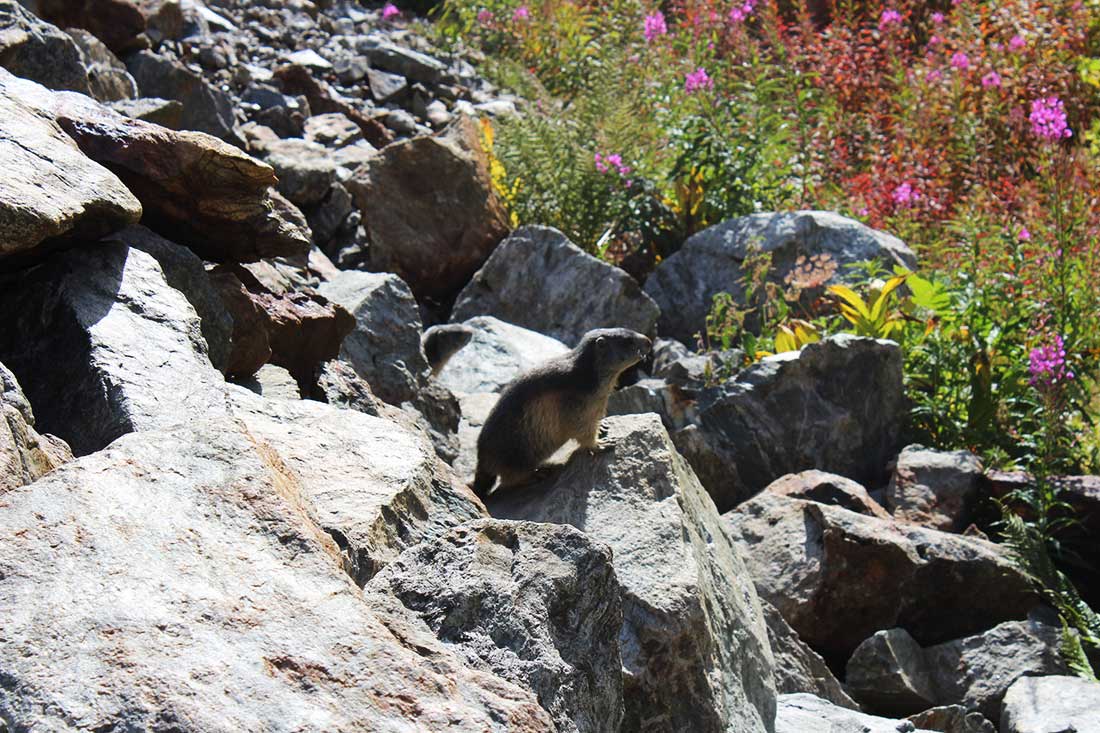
x=563, y=398
x=440, y=343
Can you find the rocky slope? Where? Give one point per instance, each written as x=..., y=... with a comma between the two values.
x=233, y=493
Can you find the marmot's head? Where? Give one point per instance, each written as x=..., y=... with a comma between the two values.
x=440, y=343
x=614, y=350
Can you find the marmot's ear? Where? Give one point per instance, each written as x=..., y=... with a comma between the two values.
x=600, y=340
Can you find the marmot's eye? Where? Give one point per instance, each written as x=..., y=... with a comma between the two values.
x=600, y=340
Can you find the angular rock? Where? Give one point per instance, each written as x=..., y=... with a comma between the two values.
x=33, y=49
x=164, y=112
x=1054, y=704
x=103, y=347
x=431, y=210
x=404, y=61
x=108, y=79
x=952, y=719
x=935, y=488
x=235, y=216
x=323, y=99
x=116, y=23
x=805, y=713
x=49, y=188
x=306, y=170
x=339, y=386
x=475, y=409
x=798, y=668
x=236, y=615
x=828, y=488
x=540, y=280
x=384, y=348
x=25, y=456
x=977, y=671
x=438, y=412
x=374, y=485
x=836, y=405
x=710, y=262
x=535, y=604
x=205, y=108
x=272, y=382
x=889, y=674
x=385, y=87
x=333, y=130
x=693, y=643
x=937, y=586
x=676, y=408
x=496, y=354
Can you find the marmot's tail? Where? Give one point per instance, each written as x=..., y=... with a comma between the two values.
x=483, y=482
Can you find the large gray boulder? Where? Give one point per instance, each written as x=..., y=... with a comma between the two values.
x=178, y=581
x=828, y=488
x=937, y=586
x=836, y=405
x=104, y=346
x=540, y=280
x=535, y=604
x=496, y=354
x=205, y=108
x=694, y=645
x=798, y=668
x=1054, y=704
x=805, y=713
x=49, y=188
x=935, y=488
x=34, y=49
x=25, y=456
x=711, y=261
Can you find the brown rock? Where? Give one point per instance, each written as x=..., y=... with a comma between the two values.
x=25, y=456
x=827, y=488
x=118, y=23
x=296, y=79
x=33, y=49
x=431, y=211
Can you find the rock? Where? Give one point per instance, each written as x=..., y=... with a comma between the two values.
x=535, y=604
x=49, y=189
x=937, y=586
x=540, y=280
x=384, y=347
x=250, y=341
x=310, y=59
x=408, y=63
x=952, y=719
x=331, y=216
x=235, y=216
x=108, y=80
x=272, y=382
x=805, y=713
x=697, y=371
x=798, y=668
x=889, y=675
x=977, y=671
x=116, y=23
x=496, y=354
x=694, y=646
x=935, y=488
x=431, y=210
x=184, y=271
x=306, y=170
x=339, y=386
x=837, y=405
x=205, y=108
x=710, y=262
x=164, y=112
x=385, y=87
x=35, y=50
x=475, y=408
x=438, y=412
x=676, y=408
x=297, y=79
x=828, y=488
x=25, y=456
x=236, y=612
x=373, y=484
x=103, y=347
x=1054, y=704
x=333, y=130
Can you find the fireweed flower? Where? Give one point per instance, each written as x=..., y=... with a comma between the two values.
x=521, y=13
x=1024, y=234
x=992, y=79
x=742, y=11
x=697, y=80
x=1047, y=364
x=655, y=26
x=905, y=195
x=888, y=18
x=937, y=18
x=484, y=16
x=1017, y=42
x=1048, y=118
x=390, y=11
x=960, y=61
x=933, y=76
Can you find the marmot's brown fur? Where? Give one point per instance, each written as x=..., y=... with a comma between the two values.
x=540, y=410
x=440, y=343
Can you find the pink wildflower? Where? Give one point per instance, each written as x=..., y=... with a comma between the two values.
x=992, y=79
x=655, y=26
x=742, y=11
x=1047, y=364
x=933, y=76
x=905, y=195
x=937, y=18
x=888, y=18
x=697, y=80
x=934, y=40
x=390, y=11
x=521, y=13
x=1017, y=42
x=1024, y=234
x=484, y=16
x=1048, y=118
x=960, y=61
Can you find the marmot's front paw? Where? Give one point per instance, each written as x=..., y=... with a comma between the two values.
x=601, y=446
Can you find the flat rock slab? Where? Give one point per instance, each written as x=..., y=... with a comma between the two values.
x=49, y=188
x=1054, y=704
x=103, y=346
x=805, y=713
x=938, y=586
x=693, y=642
x=177, y=581
x=497, y=353
x=535, y=604
x=540, y=280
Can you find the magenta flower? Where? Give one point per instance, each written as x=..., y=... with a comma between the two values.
x=905, y=195
x=1048, y=118
x=614, y=162
x=390, y=11
x=992, y=79
x=937, y=18
x=934, y=40
x=933, y=76
x=484, y=16
x=960, y=61
x=697, y=80
x=739, y=12
x=1047, y=364
x=888, y=18
x=655, y=26
x=1024, y=234
x=1017, y=42
x=521, y=13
